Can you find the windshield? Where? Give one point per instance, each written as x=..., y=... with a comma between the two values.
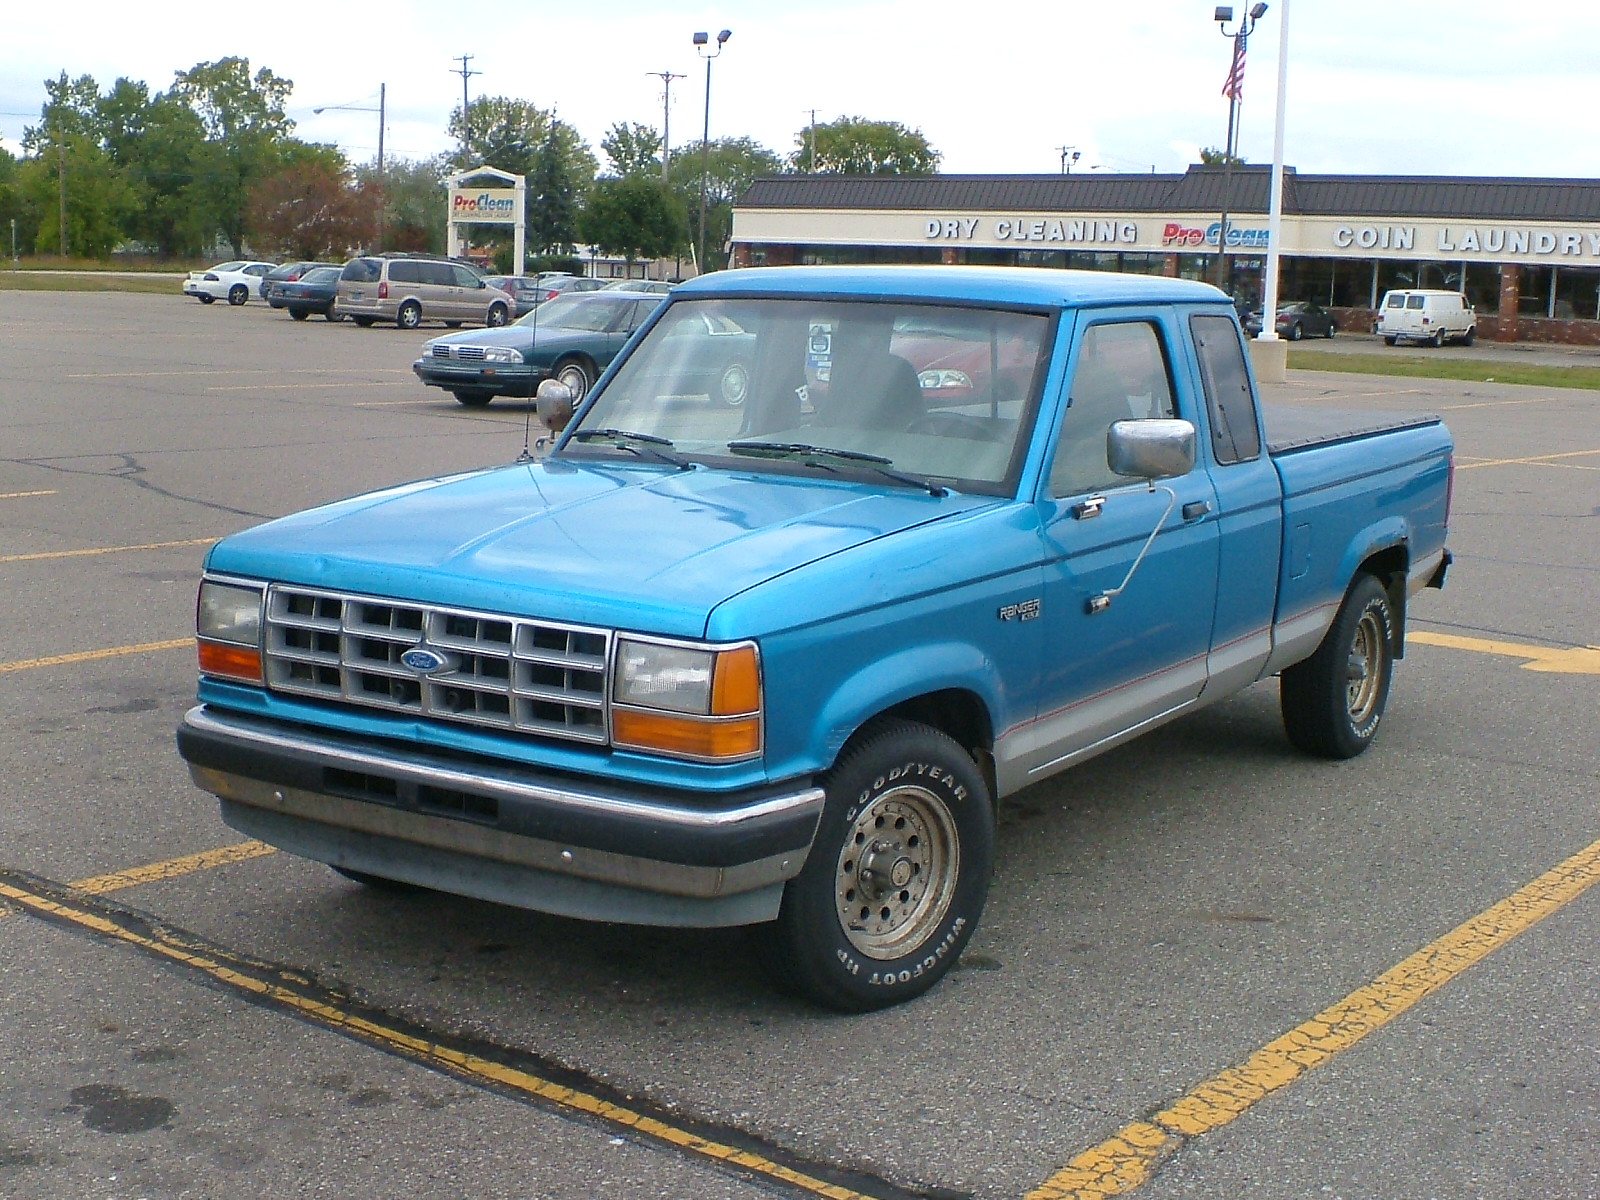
x=584, y=312
x=937, y=393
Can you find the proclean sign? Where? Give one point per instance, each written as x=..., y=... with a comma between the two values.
x=493, y=205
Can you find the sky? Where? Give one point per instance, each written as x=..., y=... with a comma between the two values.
x=1387, y=87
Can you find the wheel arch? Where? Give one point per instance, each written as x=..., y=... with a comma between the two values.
x=1391, y=566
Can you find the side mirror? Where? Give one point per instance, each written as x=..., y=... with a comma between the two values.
x=554, y=405
x=1149, y=449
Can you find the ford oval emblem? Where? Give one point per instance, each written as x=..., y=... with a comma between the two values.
x=425, y=661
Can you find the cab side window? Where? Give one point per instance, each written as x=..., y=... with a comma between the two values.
x=1235, y=435
x=1121, y=375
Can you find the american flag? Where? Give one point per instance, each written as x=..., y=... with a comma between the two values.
x=1233, y=89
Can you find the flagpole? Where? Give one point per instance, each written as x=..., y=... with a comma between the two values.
x=1232, y=89
x=1269, y=296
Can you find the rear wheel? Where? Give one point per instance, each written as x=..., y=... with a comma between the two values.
x=409, y=316
x=897, y=875
x=473, y=399
x=299, y=314
x=1470, y=336
x=1333, y=701
x=238, y=294
x=734, y=385
x=1332, y=328
x=1296, y=331
x=1437, y=339
x=364, y=322
x=1389, y=341
x=496, y=316
x=378, y=882
x=205, y=299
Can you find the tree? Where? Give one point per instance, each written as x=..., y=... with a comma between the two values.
x=1212, y=157
x=732, y=165
x=245, y=125
x=413, y=202
x=636, y=216
x=632, y=149
x=70, y=175
x=310, y=211
x=857, y=146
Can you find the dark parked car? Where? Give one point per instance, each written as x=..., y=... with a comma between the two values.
x=556, y=283
x=312, y=292
x=288, y=273
x=524, y=291
x=571, y=338
x=1295, y=321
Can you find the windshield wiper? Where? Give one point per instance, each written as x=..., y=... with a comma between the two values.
x=812, y=454
x=623, y=439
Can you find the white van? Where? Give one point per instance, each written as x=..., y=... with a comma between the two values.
x=1426, y=316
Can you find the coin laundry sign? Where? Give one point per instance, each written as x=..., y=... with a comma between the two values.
x=494, y=205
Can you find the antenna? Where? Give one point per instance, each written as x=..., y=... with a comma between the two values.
x=533, y=401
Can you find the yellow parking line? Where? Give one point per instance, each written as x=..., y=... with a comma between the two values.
x=172, y=868
x=1537, y=460
x=20, y=495
x=1126, y=1160
x=212, y=373
x=327, y=1011
x=1498, y=403
x=1564, y=660
x=292, y=387
x=10, y=558
x=58, y=660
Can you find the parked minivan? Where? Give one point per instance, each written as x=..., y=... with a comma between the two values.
x=1419, y=315
x=410, y=289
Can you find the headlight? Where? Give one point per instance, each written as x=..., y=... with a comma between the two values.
x=227, y=625
x=502, y=354
x=939, y=377
x=689, y=701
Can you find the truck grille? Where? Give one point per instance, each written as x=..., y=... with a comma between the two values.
x=497, y=671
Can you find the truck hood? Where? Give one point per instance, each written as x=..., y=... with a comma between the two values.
x=632, y=547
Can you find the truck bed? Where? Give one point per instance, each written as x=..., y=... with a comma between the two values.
x=1293, y=427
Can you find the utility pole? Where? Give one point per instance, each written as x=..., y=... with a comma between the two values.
x=666, y=78
x=811, y=136
x=466, y=124
x=61, y=171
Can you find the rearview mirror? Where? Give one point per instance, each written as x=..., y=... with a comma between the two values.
x=1149, y=449
x=554, y=404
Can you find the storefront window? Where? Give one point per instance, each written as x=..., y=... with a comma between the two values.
x=1577, y=293
x=1534, y=299
x=1483, y=287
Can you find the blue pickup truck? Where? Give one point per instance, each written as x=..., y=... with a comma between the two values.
x=774, y=663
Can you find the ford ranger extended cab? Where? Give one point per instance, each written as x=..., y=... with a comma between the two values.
x=774, y=663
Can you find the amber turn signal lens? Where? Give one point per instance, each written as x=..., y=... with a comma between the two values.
x=235, y=662
x=736, y=685
x=695, y=737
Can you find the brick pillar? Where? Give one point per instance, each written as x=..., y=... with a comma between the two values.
x=741, y=254
x=1169, y=265
x=1510, y=297
x=780, y=256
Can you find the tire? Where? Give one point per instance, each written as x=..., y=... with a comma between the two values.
x=329, y=315
x=733, y=386
x=1437, y=339
x=409, y=316
x=205, y=299
x=1389, y=341
x=299, y=314
x=496, y=316
x=1333, y=701
x=378, y=882
x=238, y=294
x=473, y=399
x=1332, y=329
x=576, y=375
x=1470, y=336
x=914, y=801
x=364, y=322
x=452, y=324
x=1296, y=331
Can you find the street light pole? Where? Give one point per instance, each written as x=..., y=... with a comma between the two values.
x=701, y=40
x=1233, y=89
x=383, y=119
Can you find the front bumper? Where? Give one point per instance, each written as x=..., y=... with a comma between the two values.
x=514, y=836
x=508, y=379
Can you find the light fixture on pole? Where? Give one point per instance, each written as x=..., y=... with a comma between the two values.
x=382, y=111
x=1069, y=158
x=701, y=41
x=1233, y=89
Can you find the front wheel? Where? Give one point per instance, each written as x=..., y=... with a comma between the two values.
x=238, y=294
x=1333, y=701
x=897, y=876
x=473, y=399
x=497, y=316
x=576, y=376
x=299, y=314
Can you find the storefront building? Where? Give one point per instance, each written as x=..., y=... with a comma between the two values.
x=1525, y=251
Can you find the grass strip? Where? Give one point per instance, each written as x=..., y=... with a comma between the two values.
x=51, y=281
x=1429, y=367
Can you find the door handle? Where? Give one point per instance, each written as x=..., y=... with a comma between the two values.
x=1195, y=509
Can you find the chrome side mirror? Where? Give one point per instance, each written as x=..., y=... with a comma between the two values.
x=1154, y=448
x=554, y=405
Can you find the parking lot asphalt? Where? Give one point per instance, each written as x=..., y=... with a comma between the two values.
x=1200, y=916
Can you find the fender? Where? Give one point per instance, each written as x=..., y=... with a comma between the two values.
x=903, y=675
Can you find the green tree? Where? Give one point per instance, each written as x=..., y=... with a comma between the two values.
x=245, y=127
x=71, y=173
x=1210, y=156
x=636, y=216
x=632, y=149
x=857, y=146
x=413, y=202
x=730, y=167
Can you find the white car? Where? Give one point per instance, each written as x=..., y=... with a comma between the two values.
x=234, y=282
